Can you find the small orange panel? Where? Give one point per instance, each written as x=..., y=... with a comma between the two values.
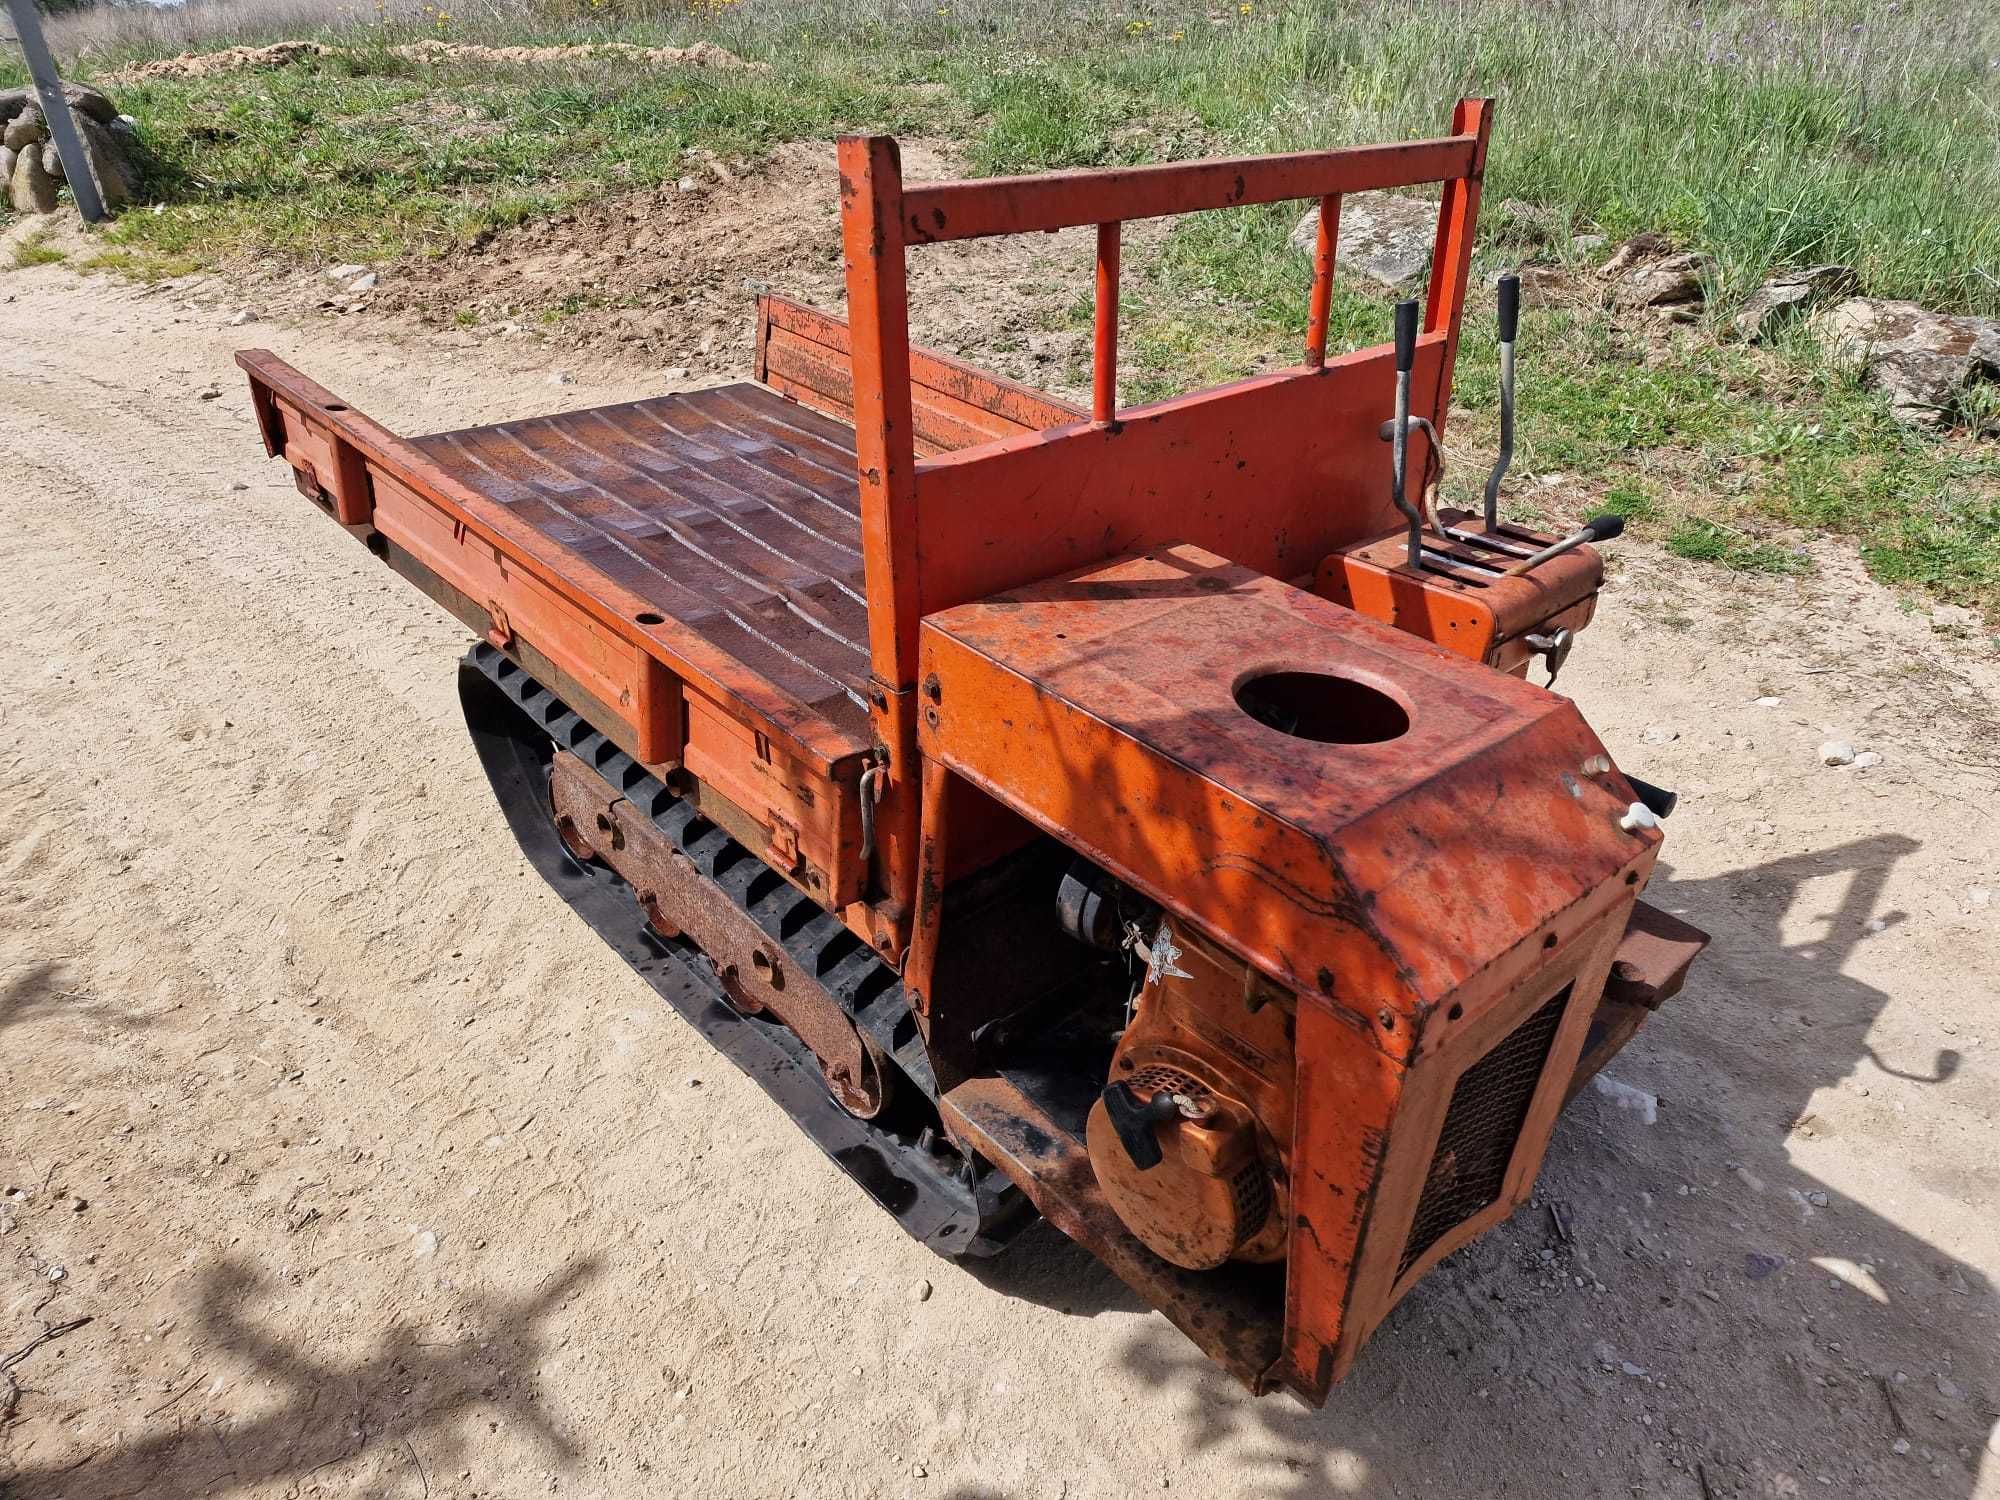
x=1363, y=816
x=1460, y=599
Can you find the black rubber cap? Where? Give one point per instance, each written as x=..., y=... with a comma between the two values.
x=1406, y=335
x=1657, y=798
x=1604, y=528
x=1510, y=307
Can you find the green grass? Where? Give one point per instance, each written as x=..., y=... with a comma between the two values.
x=35, y=250
x=374, y=156
x=1702, y=540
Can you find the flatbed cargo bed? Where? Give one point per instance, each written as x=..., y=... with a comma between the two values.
x=687, y=569
x=731, y=511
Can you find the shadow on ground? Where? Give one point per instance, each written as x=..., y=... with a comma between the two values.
x=34, y=991
x=398, y=1410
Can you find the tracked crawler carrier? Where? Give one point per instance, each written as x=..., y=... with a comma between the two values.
x=1139, y=817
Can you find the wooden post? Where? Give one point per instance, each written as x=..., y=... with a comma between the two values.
x=55, y=109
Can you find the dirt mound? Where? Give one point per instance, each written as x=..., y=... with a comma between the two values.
x=284, y=54
x=673, y=270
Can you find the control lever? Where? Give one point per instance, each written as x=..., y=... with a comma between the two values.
x=1596, y=529
x=1399, y=436
x=1510, y=324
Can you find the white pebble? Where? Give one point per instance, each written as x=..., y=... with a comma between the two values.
x=1836, y=753
x=1642, y=1103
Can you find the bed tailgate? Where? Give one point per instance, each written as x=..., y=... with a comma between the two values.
x=622, y=556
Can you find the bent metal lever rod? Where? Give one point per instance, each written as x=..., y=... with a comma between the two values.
x=1596, y=529
x=1399, y=438
x=1510, y=324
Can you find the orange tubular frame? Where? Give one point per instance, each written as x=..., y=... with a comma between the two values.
x=1272, y=472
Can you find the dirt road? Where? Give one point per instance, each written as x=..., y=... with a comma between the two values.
x=375, y=1175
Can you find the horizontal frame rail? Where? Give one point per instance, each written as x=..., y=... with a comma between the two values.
x=972, y=209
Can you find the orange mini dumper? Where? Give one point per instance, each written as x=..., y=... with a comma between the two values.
x=1139, y=817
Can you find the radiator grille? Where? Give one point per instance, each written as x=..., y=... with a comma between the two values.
x=1481, y=1125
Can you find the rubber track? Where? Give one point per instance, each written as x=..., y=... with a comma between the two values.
x=971, y=1211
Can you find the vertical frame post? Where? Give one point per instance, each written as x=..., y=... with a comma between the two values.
x=1104, y=372
x=1451, y=259
x=920, y=972
x=70, y=148
x=1320, y=309
x=878, y=313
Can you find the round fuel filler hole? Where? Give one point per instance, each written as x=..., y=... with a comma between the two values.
x=1321, y=707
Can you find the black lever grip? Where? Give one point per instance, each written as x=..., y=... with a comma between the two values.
x=1603, y=528
x=1657, y=798
x=1510, y=307
x=1134, y=1123
x=1406, y=335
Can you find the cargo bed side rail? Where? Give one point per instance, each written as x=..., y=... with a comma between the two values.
x=808, y=355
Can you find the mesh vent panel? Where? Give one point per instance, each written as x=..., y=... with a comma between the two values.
x=1481, y=1125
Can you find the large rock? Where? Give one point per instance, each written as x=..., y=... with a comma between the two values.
x=1783, y=297
x=1639, y=248
x=1920, y=360
x=1670, y=281
x=116, y=180
x=7, y=159
x=84, y=99
x=52, y=161
x=32, y=190
x=1383, y=237
x=23, y=130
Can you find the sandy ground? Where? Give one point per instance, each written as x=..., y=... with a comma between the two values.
x=375, y=1175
